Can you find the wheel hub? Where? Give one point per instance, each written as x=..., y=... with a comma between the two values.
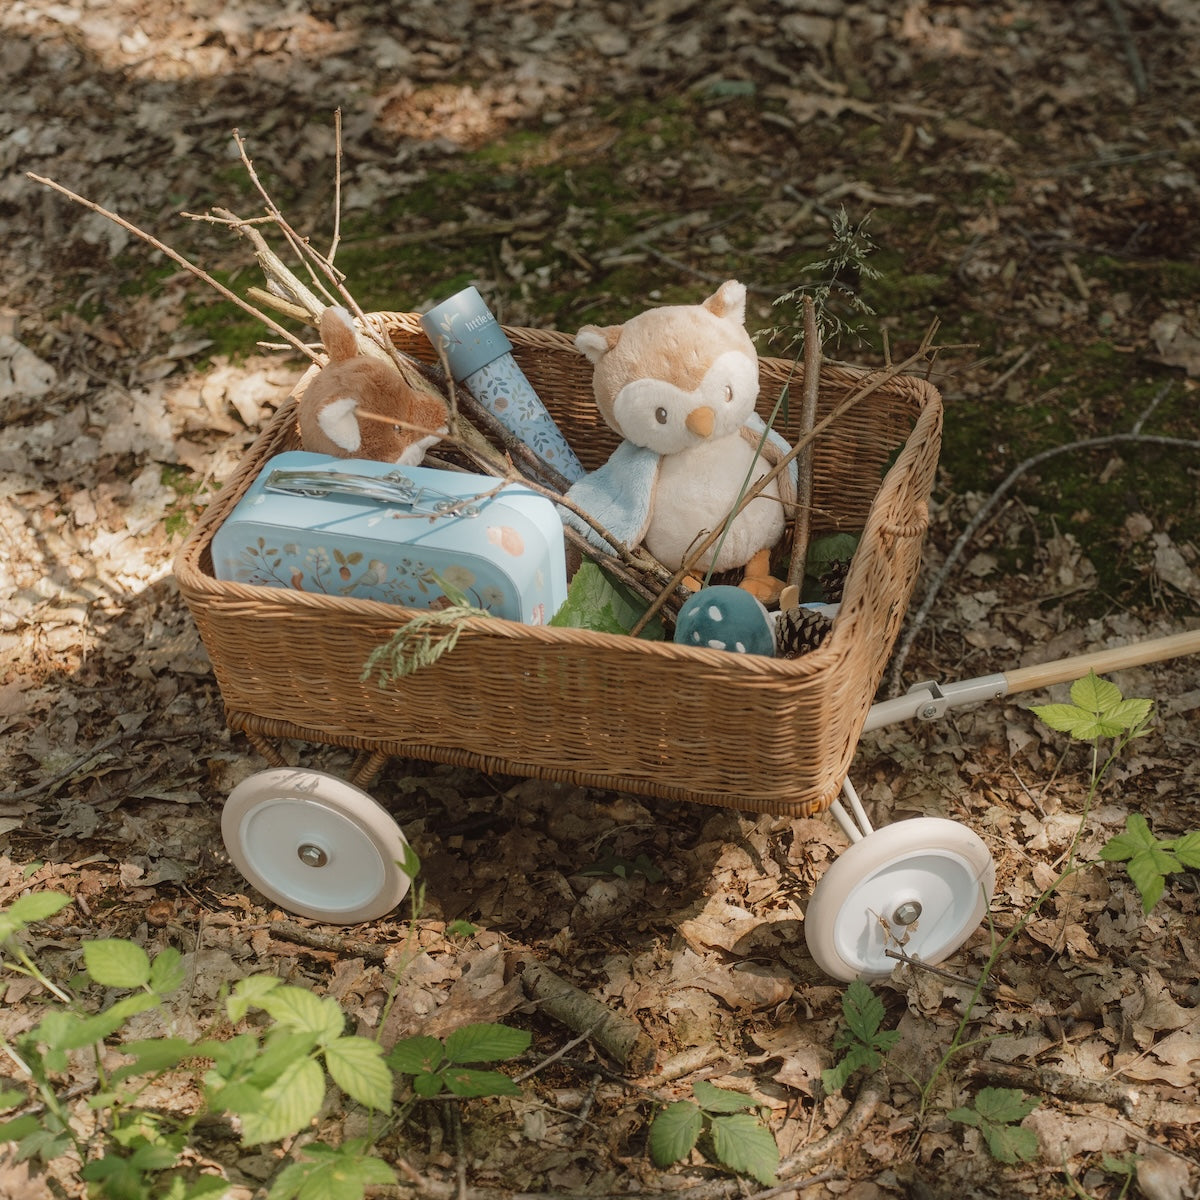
x=312, y=856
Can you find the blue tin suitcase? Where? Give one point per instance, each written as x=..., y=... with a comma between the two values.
x=378, y=531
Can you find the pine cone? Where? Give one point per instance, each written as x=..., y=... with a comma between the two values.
x=800, y=630
x=833, y=580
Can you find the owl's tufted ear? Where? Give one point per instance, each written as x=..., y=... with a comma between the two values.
x=595, y=341
x=728, y=302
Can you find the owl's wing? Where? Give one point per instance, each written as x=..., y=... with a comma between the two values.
x=619, y=495
x=775, y=448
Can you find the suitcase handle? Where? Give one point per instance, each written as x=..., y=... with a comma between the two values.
x=391, y=488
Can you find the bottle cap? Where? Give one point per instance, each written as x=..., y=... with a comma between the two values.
x=464, y=328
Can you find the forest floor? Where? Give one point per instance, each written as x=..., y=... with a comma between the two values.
x=1030, y=176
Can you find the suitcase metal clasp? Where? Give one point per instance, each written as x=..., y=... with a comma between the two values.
x=392, y=488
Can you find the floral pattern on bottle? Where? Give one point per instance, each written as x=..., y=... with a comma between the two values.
x=504, y=391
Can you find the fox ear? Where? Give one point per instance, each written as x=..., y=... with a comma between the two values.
x=339, y=423
x=594, y=341
x=337, y=334
x=728, y=302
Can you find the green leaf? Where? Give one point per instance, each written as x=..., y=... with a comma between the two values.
x=331, y=1173
x=674, y=1131
x=117, y=963
x=247, y=993
x=967, y=1116
x=824, y=551
x=206, y=1187
x=417, y=1055
x=1096, y=695
x=1149, y=878
x=469, y=1082
x=1003, y=1105
x=167, y=972
x=1011, y=1143
x=482, y=1043
x=428, y=1085
x=714, y=1099
x=151, y=1056
x=62, y=1030
x=863, y=1011
x=1148, y=860
x=24, y=910
x=1136, y=839
x=43, y=1144
x=745, y=1145
x=859, y=1054
x=1069, y=719
x=300, y=1010
x=18, y=1128
x=1131, y=714
x=1187, y=849
x=288, y=1105
x=11, y=1097
x=595, y=601
x=357, y=1067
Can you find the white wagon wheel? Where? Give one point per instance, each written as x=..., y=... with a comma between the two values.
x=920, y=887
x=315, y=845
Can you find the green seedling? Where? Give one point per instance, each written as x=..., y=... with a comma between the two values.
x=997, y=1114
x=725, y=1124
x=859, y=1036
x=438, y=1067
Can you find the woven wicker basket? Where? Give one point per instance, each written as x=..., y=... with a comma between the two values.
x=752, y=733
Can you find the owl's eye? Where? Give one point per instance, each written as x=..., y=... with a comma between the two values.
x=728, y=393
x=660, y=415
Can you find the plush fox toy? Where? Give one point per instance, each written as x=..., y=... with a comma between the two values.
x=362, y=407
x=679, y=384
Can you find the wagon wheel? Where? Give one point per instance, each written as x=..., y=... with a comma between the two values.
x=315, y=845
x=919, y=887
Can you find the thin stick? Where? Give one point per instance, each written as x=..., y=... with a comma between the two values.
x=337, y=185
x=804, y=460
x=300, y=245
x=1141, y=85
x=176, y=257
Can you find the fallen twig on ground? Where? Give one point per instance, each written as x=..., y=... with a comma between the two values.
x=621, y=1038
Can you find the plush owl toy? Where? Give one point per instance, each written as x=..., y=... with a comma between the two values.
x=360, y=406
x=679, y=384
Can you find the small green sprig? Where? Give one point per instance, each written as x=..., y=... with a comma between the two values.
x=860, y=1036
x=997, y=1113
x=728, y=1126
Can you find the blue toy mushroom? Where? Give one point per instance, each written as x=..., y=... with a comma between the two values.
x=725, y=618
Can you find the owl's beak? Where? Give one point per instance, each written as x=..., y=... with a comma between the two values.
x=700, y=421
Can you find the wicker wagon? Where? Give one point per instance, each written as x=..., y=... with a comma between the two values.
x=752, y=733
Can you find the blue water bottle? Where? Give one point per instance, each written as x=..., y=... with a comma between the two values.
x=480, y=357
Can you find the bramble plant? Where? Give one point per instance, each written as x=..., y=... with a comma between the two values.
x=272, y=1078
x=437, y=1066
x=1099, y=710
x=997, y=1113
x=725, y=1124
x=860, y=1036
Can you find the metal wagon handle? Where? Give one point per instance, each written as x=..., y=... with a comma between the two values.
x=929, y=700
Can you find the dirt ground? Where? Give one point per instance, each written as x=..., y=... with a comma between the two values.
x=1031, y=170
